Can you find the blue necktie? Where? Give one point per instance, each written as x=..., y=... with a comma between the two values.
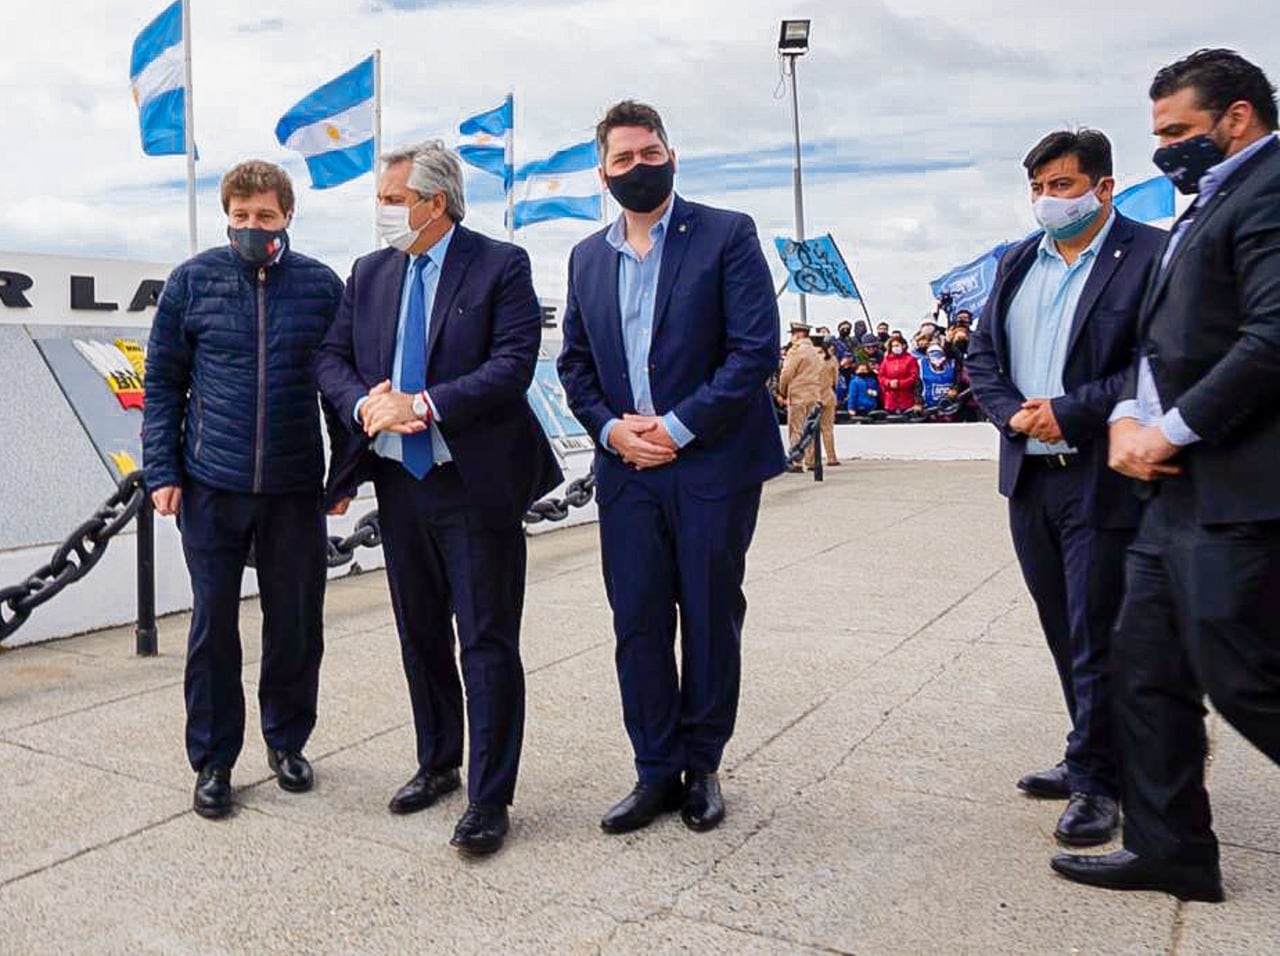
x=416, y=457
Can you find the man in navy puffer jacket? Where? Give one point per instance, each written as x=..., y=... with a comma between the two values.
x=232, y=446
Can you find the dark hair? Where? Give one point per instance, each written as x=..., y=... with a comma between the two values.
x=1091, y=149
x=255, y=176
x=628, y=113
x=1220, y=78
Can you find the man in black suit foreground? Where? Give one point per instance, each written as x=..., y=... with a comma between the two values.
x=1199, y=427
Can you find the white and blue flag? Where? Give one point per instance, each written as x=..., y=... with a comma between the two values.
x=565, y=185
x=156, y=74
x=332, y=127
x=486, y=141
x=1148, y=201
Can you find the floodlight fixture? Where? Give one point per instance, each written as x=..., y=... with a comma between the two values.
x=793, y=39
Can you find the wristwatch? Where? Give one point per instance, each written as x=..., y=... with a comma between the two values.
x=420, y=408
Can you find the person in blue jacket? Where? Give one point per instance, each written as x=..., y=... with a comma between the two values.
x=937, y=376
x=864, y=390
x=232, y=446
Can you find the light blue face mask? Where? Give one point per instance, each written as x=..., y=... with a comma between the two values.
x=1067, y=218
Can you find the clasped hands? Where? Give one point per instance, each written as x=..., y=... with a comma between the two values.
x=642, y=441
x=1140, y=451
x=1036, y=420
x=386, y=410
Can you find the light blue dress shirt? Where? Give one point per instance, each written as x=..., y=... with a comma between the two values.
x=1145, y=406
x=389, y=444
x=1040, y=319
x=637, y=295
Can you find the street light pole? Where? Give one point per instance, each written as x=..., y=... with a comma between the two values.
x=797, y=183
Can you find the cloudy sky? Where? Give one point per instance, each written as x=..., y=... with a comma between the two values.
x=914, y=114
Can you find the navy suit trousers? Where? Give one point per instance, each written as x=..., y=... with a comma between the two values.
x=1075, y=574
x=668, y=551
x=1199, y=616
x=287, y=532
x=444, y=561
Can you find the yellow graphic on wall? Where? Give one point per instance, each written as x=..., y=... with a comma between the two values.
x=121, y=364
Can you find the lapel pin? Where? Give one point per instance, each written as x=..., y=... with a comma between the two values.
x=1119, y=253
x=682, y=227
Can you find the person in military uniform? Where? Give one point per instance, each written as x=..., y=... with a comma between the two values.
x=830, y=376
x=800, y=385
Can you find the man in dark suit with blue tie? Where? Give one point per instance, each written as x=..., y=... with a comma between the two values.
x=1198, y=427
x=429, y=359
x=1047, y=362
x=670, y=334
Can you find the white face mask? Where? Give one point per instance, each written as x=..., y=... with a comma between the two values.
x=393, y=225
x=1066, y=218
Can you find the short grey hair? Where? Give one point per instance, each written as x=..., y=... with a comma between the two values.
x=436, y=168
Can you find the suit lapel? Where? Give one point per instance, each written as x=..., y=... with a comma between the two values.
x=675, y=244
x=1110, y=256
x=388, y=290
x=456, y=261
x=1004, y=294
x=606, y=311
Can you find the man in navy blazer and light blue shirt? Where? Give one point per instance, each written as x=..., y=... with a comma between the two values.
x=1047, y=362
x=670, y=334
x=430, y=357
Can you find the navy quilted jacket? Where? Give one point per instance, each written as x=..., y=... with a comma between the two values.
x=231, y=394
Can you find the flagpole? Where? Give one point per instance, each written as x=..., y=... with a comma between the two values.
x=189, y=132
x=377, y=139
x=509, y=160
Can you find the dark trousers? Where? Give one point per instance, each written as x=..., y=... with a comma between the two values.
x=288, y=536
x=665, y=549
x=1075, y=575
x=1201, y=614
x=444, y=561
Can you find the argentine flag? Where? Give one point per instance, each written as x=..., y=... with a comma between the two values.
x=486, y=141
x=333, y=128
x=156, y=75
x=565, y=185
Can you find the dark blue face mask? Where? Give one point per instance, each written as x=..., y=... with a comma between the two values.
x=1185, y=161
x=258, y=246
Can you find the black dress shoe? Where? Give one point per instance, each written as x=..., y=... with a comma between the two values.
x=293, y=772
x=212, y=797
x=703, y=807
x=481, y=831
x=423, y=790
x=643, y=805
x=1089, y=820
x=1123, y=870
x=1047, y=784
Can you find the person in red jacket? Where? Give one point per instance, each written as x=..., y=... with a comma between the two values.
x=899, y=377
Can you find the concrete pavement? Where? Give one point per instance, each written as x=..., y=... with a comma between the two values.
x=895, y=686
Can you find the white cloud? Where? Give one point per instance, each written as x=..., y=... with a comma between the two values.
x=971, y=81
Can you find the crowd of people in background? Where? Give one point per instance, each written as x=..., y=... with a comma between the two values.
x=874, y=374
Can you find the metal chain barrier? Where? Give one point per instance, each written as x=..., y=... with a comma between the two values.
x=366, y=534
x=807, y=435
x=74, y=558
x=579, y=493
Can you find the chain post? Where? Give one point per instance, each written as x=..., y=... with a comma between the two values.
x=144, y=634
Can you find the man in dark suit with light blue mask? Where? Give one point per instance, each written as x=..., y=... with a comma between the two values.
x=670, y=334
x=1047, y=363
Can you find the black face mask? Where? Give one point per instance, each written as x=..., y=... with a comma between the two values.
x=883, y=337
x=643, y=187
x=1186, y=161
x=258, y=246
